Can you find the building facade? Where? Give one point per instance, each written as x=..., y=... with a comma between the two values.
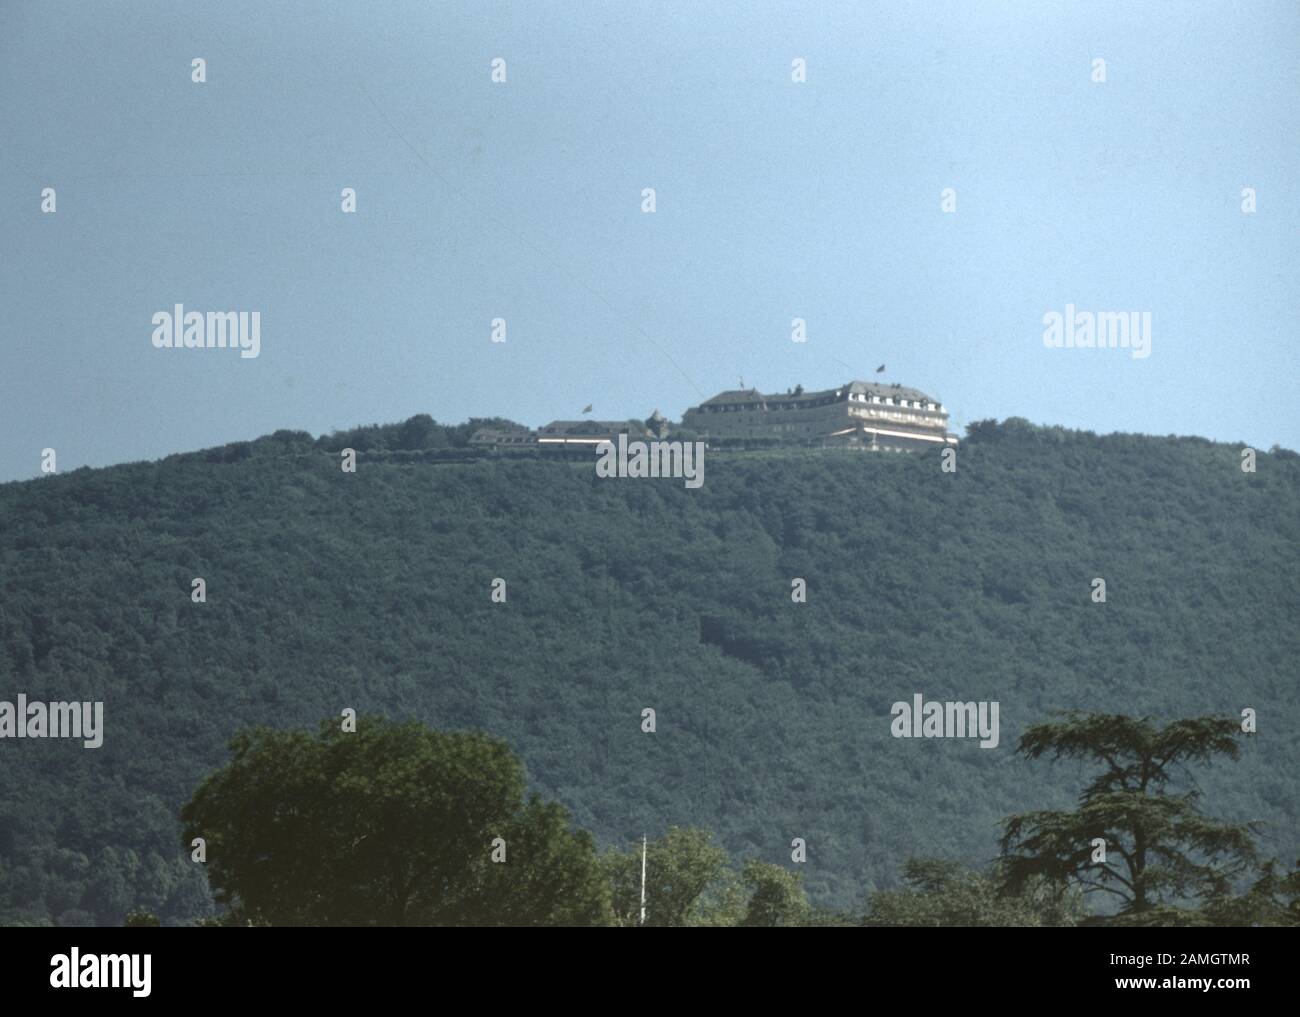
x=557, y=436
x=857, y=414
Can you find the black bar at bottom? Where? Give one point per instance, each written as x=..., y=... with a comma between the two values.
x=337, y=966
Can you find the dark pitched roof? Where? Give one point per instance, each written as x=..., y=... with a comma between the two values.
x=869, y=388
x=738, y=395
x=585, y=427
x=876, y=388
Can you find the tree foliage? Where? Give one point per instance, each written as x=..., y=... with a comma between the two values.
x=393, y=824
x=1160, y=850
x=776, y=896
x=688, y=881
x=945, y=893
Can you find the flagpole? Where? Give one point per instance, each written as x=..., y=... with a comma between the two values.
x=643, y=848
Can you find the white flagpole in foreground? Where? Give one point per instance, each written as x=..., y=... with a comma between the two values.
x=643, y=846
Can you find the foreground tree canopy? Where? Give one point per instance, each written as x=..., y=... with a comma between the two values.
x=945, y=893
x=393, y=824
x=397, y=824
x=1133, y=836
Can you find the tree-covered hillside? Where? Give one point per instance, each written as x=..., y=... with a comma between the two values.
x=328, y=590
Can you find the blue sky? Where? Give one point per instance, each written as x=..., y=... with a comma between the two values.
x=775, y=200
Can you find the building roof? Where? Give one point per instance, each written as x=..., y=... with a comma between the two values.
x=581, y=427
x=737, y=395
x=870, y=388
x=500, y=434
x=876, y=388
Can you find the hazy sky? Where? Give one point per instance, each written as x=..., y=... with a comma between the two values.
x=775, y=200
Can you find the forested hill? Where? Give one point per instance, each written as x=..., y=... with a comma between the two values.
x=372, y=590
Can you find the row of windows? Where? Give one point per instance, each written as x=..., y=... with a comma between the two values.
x=915, y=404
x=771, y=406
x=910, y=418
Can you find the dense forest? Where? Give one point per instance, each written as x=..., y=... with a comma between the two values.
x=372, y=591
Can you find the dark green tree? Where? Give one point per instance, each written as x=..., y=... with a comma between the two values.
x=1162, y=853
x=419, y=431
x=687, y=882
x=944, y=893
x=776, y=895
x=393, y=824
x=1273, y=899
x=551, y=875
